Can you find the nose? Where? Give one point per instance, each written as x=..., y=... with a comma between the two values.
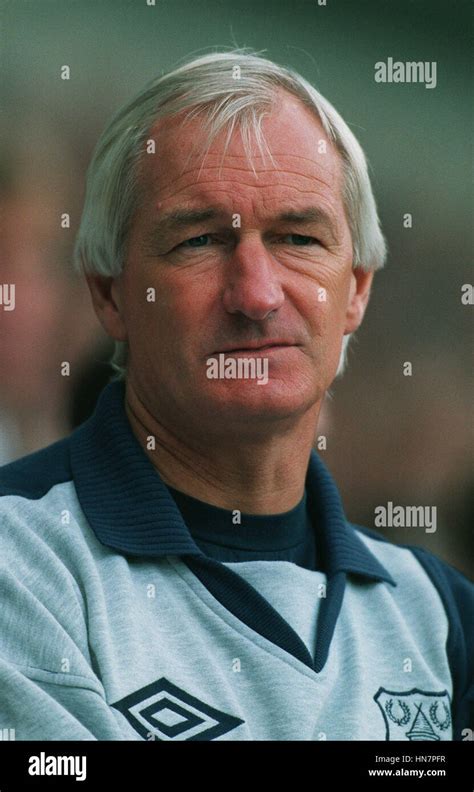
x=252, y=287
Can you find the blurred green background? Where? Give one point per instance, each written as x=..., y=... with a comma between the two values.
x=390, y=437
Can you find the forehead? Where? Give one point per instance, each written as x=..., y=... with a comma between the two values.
x=304, y=158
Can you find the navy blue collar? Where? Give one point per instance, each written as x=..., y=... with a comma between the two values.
x=130, y=509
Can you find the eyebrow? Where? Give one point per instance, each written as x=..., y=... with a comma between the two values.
x=182, y=218
x=179, y=219
x=311, y=214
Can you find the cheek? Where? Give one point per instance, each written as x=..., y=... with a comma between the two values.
x=322, y=300
x=188, y=299
x=165, y=314
x=337, y=290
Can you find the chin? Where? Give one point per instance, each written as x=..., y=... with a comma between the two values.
x=273, y=400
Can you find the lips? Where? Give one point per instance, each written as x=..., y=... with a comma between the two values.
x=257, y=347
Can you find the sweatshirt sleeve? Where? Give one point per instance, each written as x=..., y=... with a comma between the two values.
x=457, y=594
x=48, y=688
x=39, y=705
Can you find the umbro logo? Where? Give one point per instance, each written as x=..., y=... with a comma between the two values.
x=163, y=711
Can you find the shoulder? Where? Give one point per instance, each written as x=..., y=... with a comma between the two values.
x=456, y=593
x=43, y=529
x=32, y=476
x=34, y=492
x=45, y=563
x=452, y=585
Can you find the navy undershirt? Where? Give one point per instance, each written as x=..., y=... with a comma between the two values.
x=288, y=536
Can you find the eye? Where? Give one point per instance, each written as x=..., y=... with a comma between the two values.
x=198, y=241
x=301, y=240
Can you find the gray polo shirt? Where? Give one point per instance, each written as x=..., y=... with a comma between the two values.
x=116, y=625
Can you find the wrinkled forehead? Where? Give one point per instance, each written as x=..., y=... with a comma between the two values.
x=293, y=143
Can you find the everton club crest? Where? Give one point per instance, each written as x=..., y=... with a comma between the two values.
x=415, y=715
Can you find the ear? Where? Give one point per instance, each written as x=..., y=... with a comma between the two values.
x=361, y=282
x=105, y=294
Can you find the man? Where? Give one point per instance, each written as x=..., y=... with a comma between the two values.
x=181, y=567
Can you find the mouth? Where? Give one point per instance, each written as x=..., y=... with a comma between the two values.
x=256, y=348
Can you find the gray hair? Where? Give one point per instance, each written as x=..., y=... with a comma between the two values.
x=222, y=88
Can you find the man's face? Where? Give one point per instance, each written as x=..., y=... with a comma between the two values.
x=268, y=265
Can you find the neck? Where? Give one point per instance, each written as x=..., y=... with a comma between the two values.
x=262, y=475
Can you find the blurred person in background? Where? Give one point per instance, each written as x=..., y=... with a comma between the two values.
x=51, y=322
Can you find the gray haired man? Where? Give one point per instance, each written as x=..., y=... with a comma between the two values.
x=181, y=567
